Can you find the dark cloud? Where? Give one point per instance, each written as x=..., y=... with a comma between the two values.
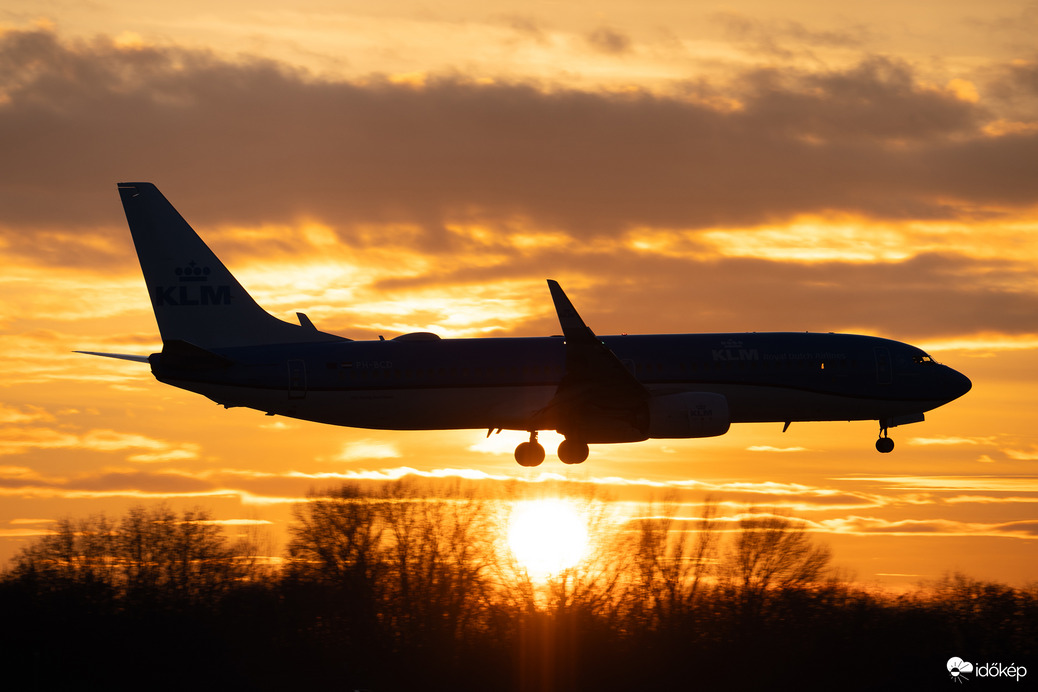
x=941, y=526
x=1028, y=527
x=141, y=482
x=877, y=101
x=609, y=41
x=527, y=26
x=1021, y=76
x=927, y=296
x=785, y=39
x=1016, y=87
x=254, y=142
x=297, y=485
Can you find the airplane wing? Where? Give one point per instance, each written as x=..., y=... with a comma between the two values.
x=598, y=398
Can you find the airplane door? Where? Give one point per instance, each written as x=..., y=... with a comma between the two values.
x=296, y=379
x=883, y=369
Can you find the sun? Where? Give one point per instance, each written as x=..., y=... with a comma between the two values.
x=547, y=536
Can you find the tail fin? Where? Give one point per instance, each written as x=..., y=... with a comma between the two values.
x=195, y=297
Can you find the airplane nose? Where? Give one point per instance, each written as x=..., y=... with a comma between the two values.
x=957, y=384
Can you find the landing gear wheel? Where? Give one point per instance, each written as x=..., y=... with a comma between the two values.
x=884, y=445
x=530, y=453
x=573, y=452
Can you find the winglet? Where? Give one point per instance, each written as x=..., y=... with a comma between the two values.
x=573, y=327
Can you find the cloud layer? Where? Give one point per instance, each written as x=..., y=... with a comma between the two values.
x=498, y=180
x=278, y=143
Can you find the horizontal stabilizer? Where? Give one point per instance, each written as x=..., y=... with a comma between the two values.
x=120, y=356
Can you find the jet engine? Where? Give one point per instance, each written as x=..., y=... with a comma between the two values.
x=691, y=414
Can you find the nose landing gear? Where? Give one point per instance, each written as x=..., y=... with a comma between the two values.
x=884, y=445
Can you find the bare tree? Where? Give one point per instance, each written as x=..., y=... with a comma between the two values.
x=772, y=553
x=77, y=552
x=337, y=538
x=150, y=554
x=408, y=555
x=673, y=560
x=439, y=549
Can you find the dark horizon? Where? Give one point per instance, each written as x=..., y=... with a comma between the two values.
x=406, y=586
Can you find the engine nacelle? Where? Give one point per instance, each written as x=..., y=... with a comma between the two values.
x=692, y=414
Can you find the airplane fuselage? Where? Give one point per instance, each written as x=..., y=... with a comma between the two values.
x=422, y=382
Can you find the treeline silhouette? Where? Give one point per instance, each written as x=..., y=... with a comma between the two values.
x=403, y=586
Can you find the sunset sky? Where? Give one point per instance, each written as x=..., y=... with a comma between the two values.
x=408, y=166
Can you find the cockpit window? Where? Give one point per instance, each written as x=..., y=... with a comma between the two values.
x=923, y=358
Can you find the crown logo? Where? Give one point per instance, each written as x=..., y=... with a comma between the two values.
x=192, y=272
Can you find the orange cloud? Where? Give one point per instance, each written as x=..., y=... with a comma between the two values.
x=944, y=527
x=23, y=440
x=956, y=483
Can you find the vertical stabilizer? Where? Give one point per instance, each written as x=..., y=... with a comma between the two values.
x=195, y=297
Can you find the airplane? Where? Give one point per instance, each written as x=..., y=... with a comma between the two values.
x=218, y=342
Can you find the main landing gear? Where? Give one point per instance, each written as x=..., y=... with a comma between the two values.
x=573, y=451
x=531, y=453
x=884, y=445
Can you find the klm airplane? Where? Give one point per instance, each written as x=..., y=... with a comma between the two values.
x=217, y=341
